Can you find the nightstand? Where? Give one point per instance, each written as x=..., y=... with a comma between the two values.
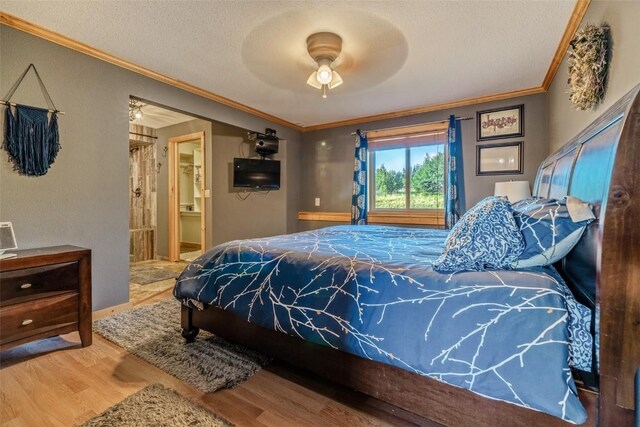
x=45, y=292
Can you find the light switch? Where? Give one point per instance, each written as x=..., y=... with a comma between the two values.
x=207, y=193
x=317, y=201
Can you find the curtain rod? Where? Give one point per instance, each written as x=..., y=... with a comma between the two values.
x=418, y=124
x=142, y=134
x=13, y=104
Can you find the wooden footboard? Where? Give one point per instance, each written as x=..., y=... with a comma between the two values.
x=426, y=397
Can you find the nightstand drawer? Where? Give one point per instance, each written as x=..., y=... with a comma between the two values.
x=37, y=282
x=37, y=317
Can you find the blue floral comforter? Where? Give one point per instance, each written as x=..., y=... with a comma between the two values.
x=371, y=291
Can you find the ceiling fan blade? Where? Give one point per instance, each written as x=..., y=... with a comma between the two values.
x=336, y=80
x=313, y=81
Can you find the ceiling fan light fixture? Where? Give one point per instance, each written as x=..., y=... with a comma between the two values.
x=313, y=81
x=336, y=80
x=324, y=74
x=324, y=48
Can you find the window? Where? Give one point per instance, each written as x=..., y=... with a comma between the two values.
x=408, y=171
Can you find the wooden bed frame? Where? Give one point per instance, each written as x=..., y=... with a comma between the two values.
x=601, y=166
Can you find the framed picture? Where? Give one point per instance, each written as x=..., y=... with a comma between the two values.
x=500, y=123
x=500, y=159
x=7, y=240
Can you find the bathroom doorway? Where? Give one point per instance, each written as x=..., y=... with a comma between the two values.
x=187, y=226
x=151, y=126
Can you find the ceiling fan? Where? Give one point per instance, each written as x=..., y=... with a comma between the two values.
x=324, y=48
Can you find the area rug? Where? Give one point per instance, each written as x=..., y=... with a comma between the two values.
x=143, y=275
x=152, y=332
x=156, y=406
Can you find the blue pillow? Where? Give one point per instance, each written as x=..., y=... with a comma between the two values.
x=486, y=236
x=550, y=228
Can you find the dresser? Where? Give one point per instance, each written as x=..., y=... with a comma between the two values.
x=45, y=292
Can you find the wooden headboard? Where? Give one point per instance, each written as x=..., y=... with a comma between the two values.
x=602, y=166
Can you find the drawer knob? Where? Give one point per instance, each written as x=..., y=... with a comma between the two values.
x=25, y=286
x=27, y=322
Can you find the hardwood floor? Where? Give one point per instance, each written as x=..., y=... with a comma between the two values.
x=55, y=382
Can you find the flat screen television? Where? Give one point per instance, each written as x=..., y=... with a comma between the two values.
x=256, y=173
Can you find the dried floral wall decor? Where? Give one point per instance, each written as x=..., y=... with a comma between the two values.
x=588, y=65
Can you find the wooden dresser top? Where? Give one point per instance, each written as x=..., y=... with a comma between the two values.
x=42, y=256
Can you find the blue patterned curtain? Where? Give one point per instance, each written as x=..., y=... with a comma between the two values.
x=455, y=179
x=359, y=198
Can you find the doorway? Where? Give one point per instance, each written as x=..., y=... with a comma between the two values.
x=150, y=128
x=187, y=196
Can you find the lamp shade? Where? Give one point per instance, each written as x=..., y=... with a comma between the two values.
x=324, y=74
x=513, y=190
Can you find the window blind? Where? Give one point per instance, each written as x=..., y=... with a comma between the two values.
x=408, y=136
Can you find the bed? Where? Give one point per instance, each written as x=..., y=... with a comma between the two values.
x=337, y=301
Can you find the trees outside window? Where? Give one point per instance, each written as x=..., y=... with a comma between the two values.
x=409, y=177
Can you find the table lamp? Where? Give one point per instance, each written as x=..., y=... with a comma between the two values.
x=513, y=190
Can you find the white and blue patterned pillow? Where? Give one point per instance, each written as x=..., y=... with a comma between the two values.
x=486, y=236
x=580, y=339
x=548, y=230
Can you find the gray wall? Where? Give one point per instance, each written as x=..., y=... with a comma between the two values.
x=227, y=216
x=624, y=18
x=196, y=125
x=83, y=200
x=328, y=169
x=262, y=213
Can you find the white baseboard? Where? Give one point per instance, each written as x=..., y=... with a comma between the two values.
x=99, y=314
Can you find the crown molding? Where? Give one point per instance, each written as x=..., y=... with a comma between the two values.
x=577, y=15
x=426, y=109
x=23, y=25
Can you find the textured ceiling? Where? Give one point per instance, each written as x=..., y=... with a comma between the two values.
x=396, y=54
x=158, y=117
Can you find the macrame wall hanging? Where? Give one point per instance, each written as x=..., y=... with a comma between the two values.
x=31, y=137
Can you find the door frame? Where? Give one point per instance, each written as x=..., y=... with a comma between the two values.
x=174, y=192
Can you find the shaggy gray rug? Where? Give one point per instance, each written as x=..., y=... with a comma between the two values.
x=143, y=275
x=152, y=332
x=156, y=406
